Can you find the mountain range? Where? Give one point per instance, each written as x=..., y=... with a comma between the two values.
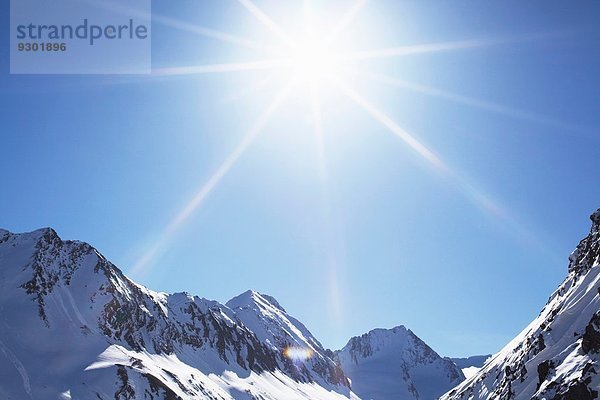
x=73, y=326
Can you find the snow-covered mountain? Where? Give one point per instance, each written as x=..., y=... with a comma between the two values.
x=73, y=326
x=387, y=364
x=558, y=355
x=274, y=326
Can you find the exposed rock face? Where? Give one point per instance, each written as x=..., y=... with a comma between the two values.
x=557, y=355
x=387, y=364
x=587, y=252
x=63, y=304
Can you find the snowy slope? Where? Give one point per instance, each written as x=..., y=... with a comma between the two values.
x=558, y=355
x=73, y=326
x=387, y=364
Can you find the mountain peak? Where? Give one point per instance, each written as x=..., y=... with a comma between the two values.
x=406, y=360
x=284, y=334
x=46, y=230
x=384, y=336
x=399, y=329
x=253, y=298
x=35, y=234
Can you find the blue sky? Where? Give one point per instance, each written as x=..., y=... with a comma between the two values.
x=465, y=255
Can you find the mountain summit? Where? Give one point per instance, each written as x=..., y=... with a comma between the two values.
x=273, y=326
x=558, y=355
x=395, y=364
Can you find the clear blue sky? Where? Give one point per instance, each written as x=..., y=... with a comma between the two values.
x=389, y=239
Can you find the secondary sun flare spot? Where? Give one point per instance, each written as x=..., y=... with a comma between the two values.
x=297, y=353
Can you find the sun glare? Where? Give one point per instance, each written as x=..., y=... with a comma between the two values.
x=297, y=353
x=312, y=60
x=317, y=51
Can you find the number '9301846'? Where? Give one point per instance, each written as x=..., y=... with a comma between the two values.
x=44, y=46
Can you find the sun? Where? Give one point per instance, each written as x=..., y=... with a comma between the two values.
x=313, y=60
x=322, y=53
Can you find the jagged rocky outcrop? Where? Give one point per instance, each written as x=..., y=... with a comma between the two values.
x=395, y=364
x=106, y=337
x=558, y=355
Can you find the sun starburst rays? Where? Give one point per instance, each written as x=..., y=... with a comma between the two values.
x=204, y=191
x=470, y=101
x=261, y=16
x=225, y=67
x=311, y=61
x=344, y=22
x=209, y=33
